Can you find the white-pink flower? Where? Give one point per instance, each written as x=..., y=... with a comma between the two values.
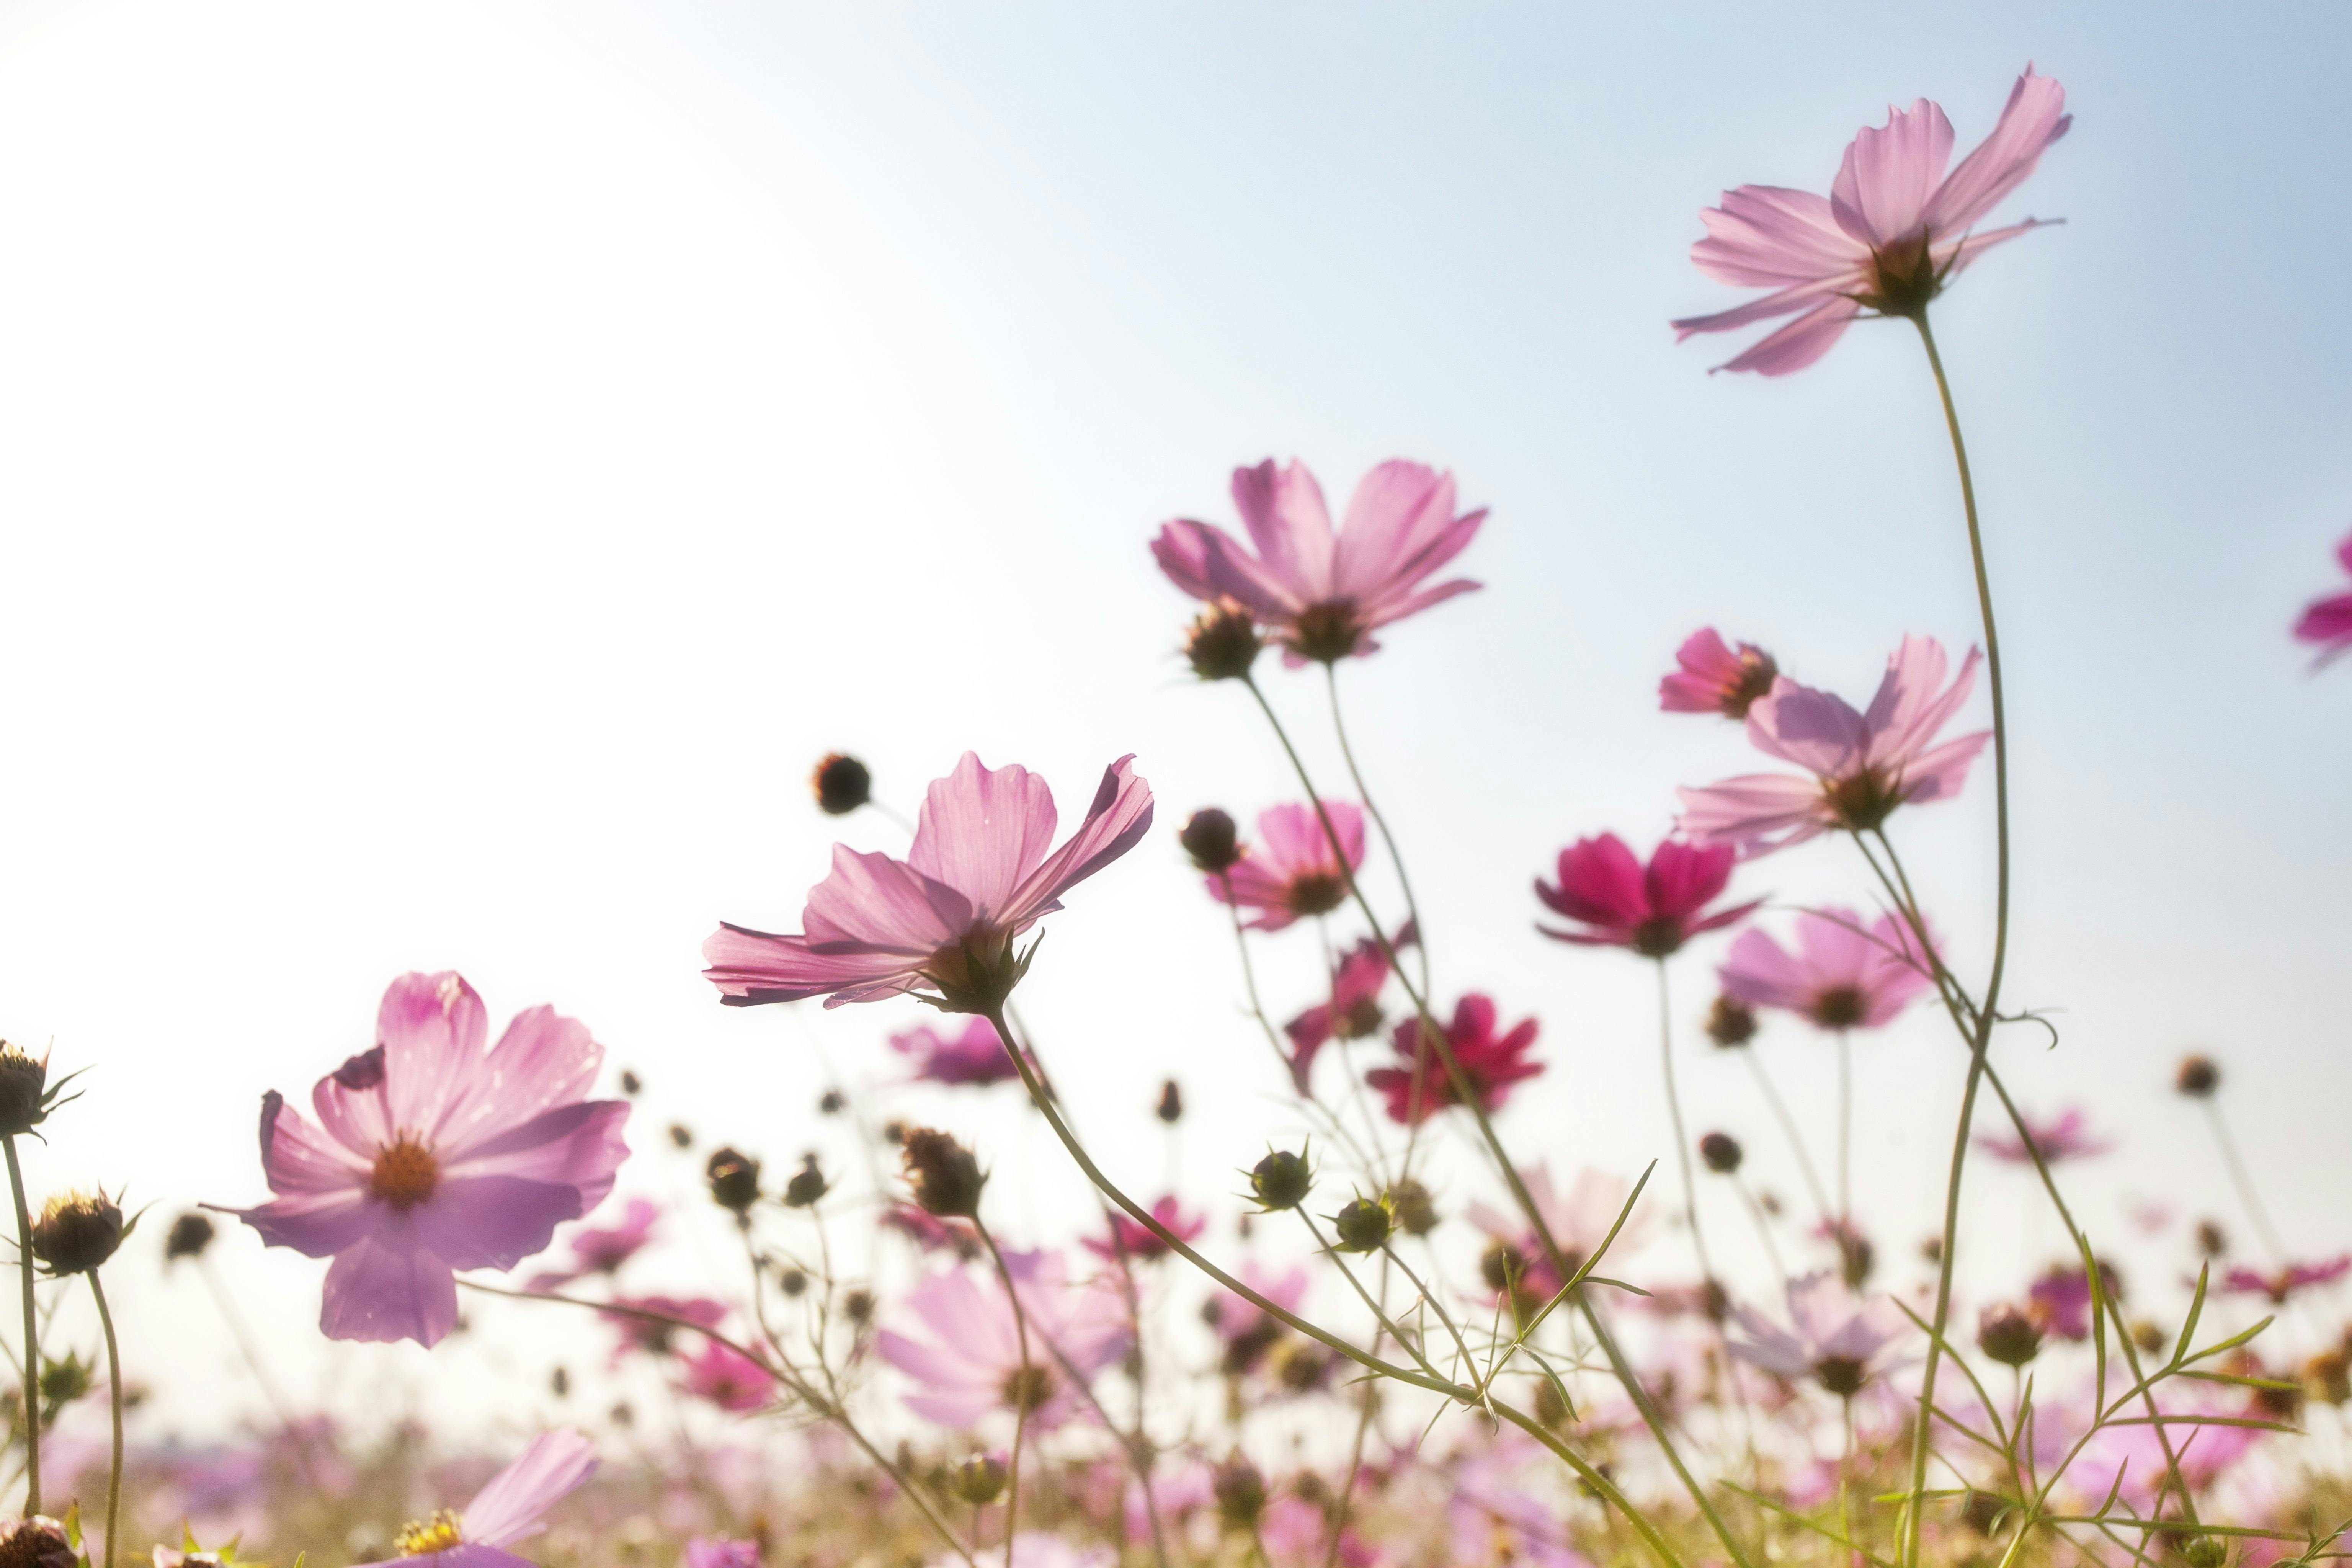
x=1844, y=975
x=1837, y=1338
x=971, y=1365
x=510, y=1508
x=1863, y=765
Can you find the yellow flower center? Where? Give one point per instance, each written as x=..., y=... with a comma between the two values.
x=406, y=1174
x=419, y=1538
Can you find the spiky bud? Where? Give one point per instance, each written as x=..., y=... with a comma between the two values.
x=1730, y=1022
x=734, y=1180
x=944, y=1174
x=1363, y=1226
x=76, y=1232
x=2204, y=1553
x=1281, y=1181
x=2196, y=1077
x=2007, y=1335
x=807, y=1185
x=1721, y=1152
x=1223, y=642
x=37, y=1543
x=1212, y=841
x=24, y=1091
x=842, y=785
x=979, y=1481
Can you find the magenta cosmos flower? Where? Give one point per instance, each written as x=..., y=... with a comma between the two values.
x=2329, y=622
x=510, y=1508
x=942, y=922
x=975, y=1055
x=2067, y=1136
x=1893, y=230
x=1324, y=592
x=970, y=1367
x=1837, y=1338
x=1844, y=975
x=1130, y=1241
x=1653, y=910
x=727, y=1377
x=715, y=1552
x=1492, y=1063
x=433, y=1154
x=1716, y=678
x=1580, y=1220
x=604, y=1249
x=1864, y=765
x=1353, y=1010
x=2286, y=1281
x=1290, y=871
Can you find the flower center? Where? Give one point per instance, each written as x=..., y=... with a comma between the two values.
x=1906, y=277
x=1316, y=893
x=1863, y=800
x=1841, y=1375
x=1326, y=633
x=419, y=1537
x=1028, y=1388
x=976, y=974
x=1756, y=673
x=406, y=1174
x=1361, y=1018
x=1839, y=1008
x=1656, y=938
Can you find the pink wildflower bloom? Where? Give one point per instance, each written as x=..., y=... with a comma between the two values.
x=976, y=1055
x=603, y=1249
x=1580, y=1220
x=1716, y=678
x=2278, y=1287
x=727, y=1378
x=1837, y=1338
x=2066, y=1137
x=1238, y=1320
x=1843, y=975
x=658, y=1338
x=931, y=1232
x=2060, y=1299
x=705, y=1552
x=971, y=1367
x=1131, y=1241
x=942, y=920
x=510, y=1508
x=1492, y=1063
x=1290, y=871
x=1353, y=1011
x=2329, y=622
x=433, y=1154
x=1654, y=909
x=1324, y=591
x=1892, y=232
x=1864, y=765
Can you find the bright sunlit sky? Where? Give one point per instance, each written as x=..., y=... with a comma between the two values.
x=461, y=463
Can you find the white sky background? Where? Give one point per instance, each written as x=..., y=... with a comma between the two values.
x=461, y=463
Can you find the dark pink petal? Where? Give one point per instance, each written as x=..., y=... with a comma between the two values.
x=1722, y=917
x=1683, y=877
x=1288, y=521
x=1767, y=236
x=2034, y=117
x=1116, y=819
x=509, y=1508
x=2327, y=622
x=1799, y=343
x=1882, y=188
x=1600, y=884
x=543, y=1060
x=382, y=1290
x=1708, y=667
x=982, y=830
x=1818, y=730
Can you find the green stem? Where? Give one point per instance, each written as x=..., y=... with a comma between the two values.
x=114, y=1406
x=32, y=1332
x=2244, y=1180
x=1674, y=1110
x=1984, y=1020
x=1788, y=1130
x=1388, y=840
x=1028, y=1389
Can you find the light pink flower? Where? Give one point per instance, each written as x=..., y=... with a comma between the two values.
x=931, y=1232
x=1579, y=1219
x=1715, y=678
x=1324, y=591
x=2287, y=1280
x=727, y=1378
x=2329, y=622
x=1836, y=1337
x=1492, y=1063
x=1134, y=1243
x=1290, y=871
x=510, y=1508
x=974, y=1056
x=2059, y=1299
x=1864, y=765
x=942, y=922
x=1653, y=910
x=706, y=1552
x=970, y=1367
x=1844, y=975
x=1893, y=230
x=2066, y=1137
x=603, y=1249
x=433, y=1154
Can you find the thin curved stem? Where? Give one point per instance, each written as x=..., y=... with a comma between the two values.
x=1788, y=1128
x=1674, y=1110
x=32, y=1331
x=1028, y=1390
x=2243, y=1179
x=114, y=1408
x=253, y=1364
x=1388, y=839
x=1845, y=1130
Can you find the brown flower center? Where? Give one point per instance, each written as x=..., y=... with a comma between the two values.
x=1326, y=633
x=1361, y=1018
x=1316, y=893
x=1656, y=938
x=1863, y=801
x=1839, y=1008
x=1904, y=278
x=1028, y=1388
x=1841, y=1375
x=406, y=1171
x=1756, y=673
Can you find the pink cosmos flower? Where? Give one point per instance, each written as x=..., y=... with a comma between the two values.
x=1837, y=1338
x=970, y=1367
x=931, y=1232
x=510, y=1508
x=942, y=922
x=2060, y=1299
x=1353, y=1011
x=1245, y=1328
x=1893, y=230
x=2067, y=1137
x=1324, y=592
x=1579, y=1219
x=1290, y=871
x=2278, y=1287
x=706, y=1552
x=657, y=1338
x=976, y=1055
x=603, y=1249
x=1844, y=975
x=433, y=1154
x=1715, y=678
x=1864, y=765
x=1492, y=1063
x=727, y=1378
x=1655, y=910
x=2329, y=622
x=1136, y=1243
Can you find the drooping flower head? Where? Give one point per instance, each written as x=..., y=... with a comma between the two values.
x=510, y=1508
x=942, y=922
x=1290, y=871
x=975, y=1055
x=2293, y=1276
x=1324, y=592
x=1715, y=677
x=1133, y=1242
x=1493, y=1062
x=971, y=1365
x=1580, y=1221
x=1652, y=909
x=1836, y=1339
x=1843, y=975
x=2067, y=1136
x=1864, y=765
x=433, y=1154
x=2329, y=622
x=1892, y=232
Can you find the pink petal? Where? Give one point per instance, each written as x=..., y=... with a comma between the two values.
x=1600, y=883
x=543, y=1060
x=380, y=1290
x=510, y=1507
x=1683, y=878
x=1765, y=237
x=1397, y=509
x=1883, y=186
x=870, y=903
x=1749, y=811
x=1183, y=551
x=1386, y=611
x=316, y=1225
x=982, y=830
x=1818, y=730
x=429, y=1027
x=1763, y=973
x=1938, y=775
x=1116, y=821
x=298, y=1158
x=1288, y=521
x=751, y=966
x=2326, y=621
x=1799, y=343
x=1811, y=295
x=2033, y=118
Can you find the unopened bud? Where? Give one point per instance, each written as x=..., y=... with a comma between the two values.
x=842, y=785
x=2204, y=1553
x=979, y=1481
x=681, y=1136
x=1212, y=841
x=734, y=1181
x=945, y=1176
x=806, y=1186
x=1241, y=1493
x=831, y=1102
x=1171, y=1108
x=1415, y=1211
x=23, y=1089
x=1730, y=1022
x=2196, y=1077
x=1223, y=642
x=2211, y=1240
x=1721, y=1152
x=189, y=1235
x=62, y=1383
x=631, y=1084
x=2007, y=1335
x=37, y=1543
x=76, y=1232
x=1281, y=1180
x=2327, y=1377
x=858, y=1305
x=1363, y=1226
x=1552, y=1407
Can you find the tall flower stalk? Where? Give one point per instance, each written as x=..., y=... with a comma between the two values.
x=32, y=1330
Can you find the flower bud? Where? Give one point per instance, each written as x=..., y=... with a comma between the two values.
x=62, y=1383
x=857, y=1305
x=2196, y=1077
x=1240, y=1492
x=76, y=1232
x=832, y=1102
x=2328, y=1376
x=1212, y=841
x=2211, y=1240
x=1730, y=1022
x=806, y=1186
x=681, y=1136
x=979, y=1481
x=1363, y=1226
x=734, y=1181
x=189, y=1235
x=23, y=1089
x=842, y=785
x=1551, y=1407
x=2204, y=1553
x=1721, y=1152
x=2007, y=1335
x=631, y=1084
x=37, y=1543
x=1171, y=1108
x=2149, y=1338
x=1223, y=642
x=1416, y=1213
x=1280, y=1180
x=945, y=1176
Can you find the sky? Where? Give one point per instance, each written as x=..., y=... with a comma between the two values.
x=462, y=464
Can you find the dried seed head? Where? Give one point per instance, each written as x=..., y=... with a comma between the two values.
x=734, y=1180
x=944, y=1174
x=1212, y=841
x=979, y=1481
x=2008, y=1335
x=1721, y=1152
x=190, y=1235
x=2196, y=1077
x=76, y=1232
x=1730, y=1022
x=842, y=785
x=1223, y=642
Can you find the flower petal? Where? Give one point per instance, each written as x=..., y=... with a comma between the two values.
x=386, y=1287
x=508, y=1508
x=2034, y=117
x=1889, y=171
x=982, y=830
x=1799, y=343
x=1288, y=521
x=1116, y=821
